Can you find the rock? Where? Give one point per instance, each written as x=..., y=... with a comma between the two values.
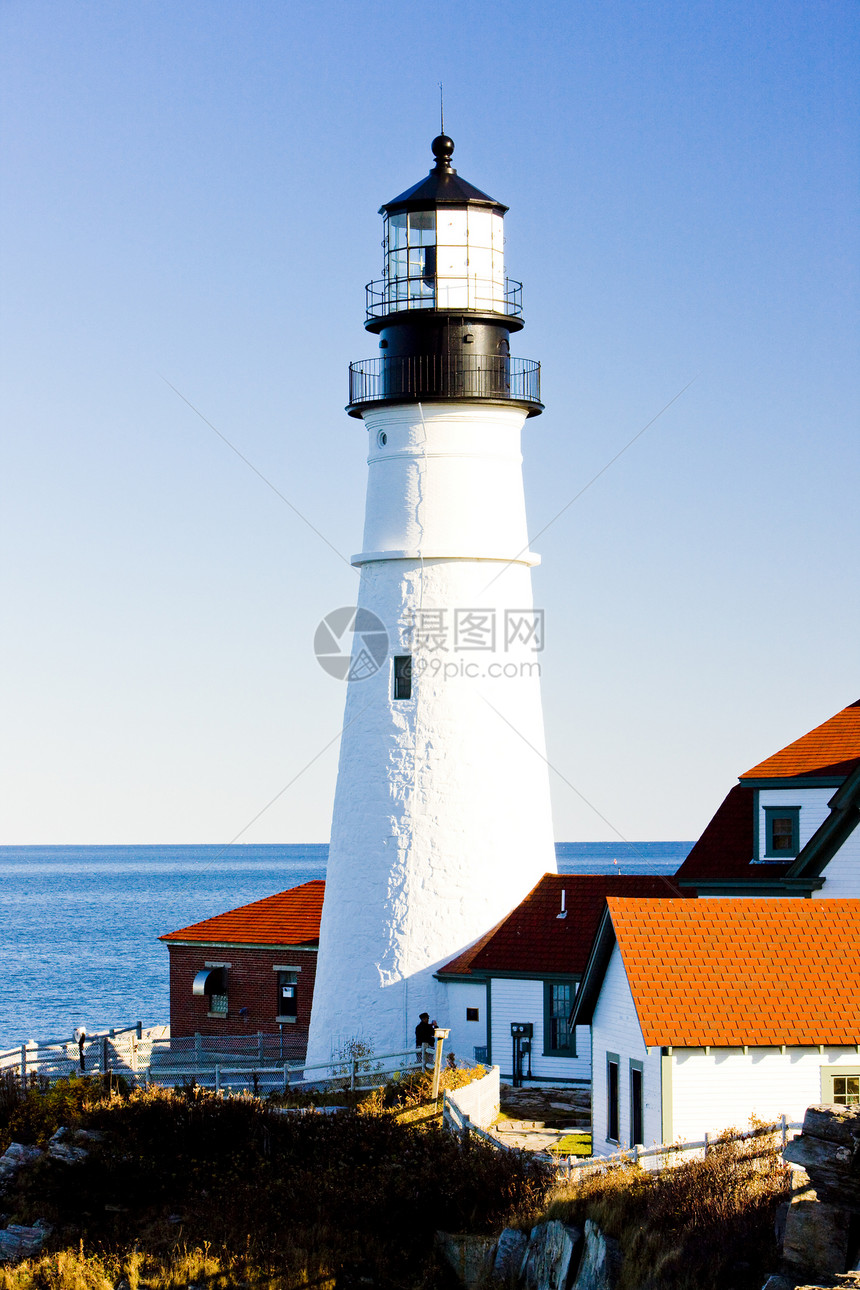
x=600, y=1265
x=66, y=1153
x=816, y=1236
x=830, y=1167
x=833, y=1123
x=778, y=1282
x=18, y=1154
x=467, y=1255
x=550, y=1257
x=507, y=1257
x=779, y=1223
x=17, y=1157
x=21, y=1242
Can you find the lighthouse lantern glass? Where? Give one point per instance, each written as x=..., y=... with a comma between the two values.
x=445, y=258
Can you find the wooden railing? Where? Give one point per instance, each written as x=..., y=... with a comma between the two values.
x=457, y=1122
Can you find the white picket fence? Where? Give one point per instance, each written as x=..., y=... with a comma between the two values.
x=664, y=1155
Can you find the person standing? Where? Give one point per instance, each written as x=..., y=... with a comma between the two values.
x=425, y=1031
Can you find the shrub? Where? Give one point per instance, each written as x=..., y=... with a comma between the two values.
x=303, y=1195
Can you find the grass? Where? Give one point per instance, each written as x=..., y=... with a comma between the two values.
x=573, y=1144
x=192, y=1188
x=702, y=1225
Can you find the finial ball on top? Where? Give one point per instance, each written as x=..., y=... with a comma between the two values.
x=442, y=148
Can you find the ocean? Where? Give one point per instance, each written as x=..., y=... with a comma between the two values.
x=79, y=926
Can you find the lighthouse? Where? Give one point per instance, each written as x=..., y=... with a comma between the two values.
x=441, y=820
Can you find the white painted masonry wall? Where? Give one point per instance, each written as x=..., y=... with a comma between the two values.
x=442, y=820
x=813, y=811
x=722, y=1089
x=615, y=1029
x=842, y=874
x=515, y=1000
x=465, y=1035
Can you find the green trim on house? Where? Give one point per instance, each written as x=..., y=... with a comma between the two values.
x=570, y=1051
x=756, y=828
x=635, y=1065
x=827, y=1074
x=772, y=813
x=666, y=1060
x=613, y=1059
x=489, y=1021
x=783, y=886
x=799, y=781
x=832, y=834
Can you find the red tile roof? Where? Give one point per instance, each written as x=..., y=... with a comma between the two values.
x=534, y=939
x=288, y=918
x=830, y=749
x=731, y=972
x=725, y=849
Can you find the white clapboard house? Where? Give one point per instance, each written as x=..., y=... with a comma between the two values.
x=509, y=996
x=706, y=1012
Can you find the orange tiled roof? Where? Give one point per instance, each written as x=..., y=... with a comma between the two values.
x=830, y=749
x=534, y=939
x=736, y=971
x=288, y=918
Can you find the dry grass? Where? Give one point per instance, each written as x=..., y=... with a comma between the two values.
x=703, y=1225
x=282, y=1200
x=75, y=1270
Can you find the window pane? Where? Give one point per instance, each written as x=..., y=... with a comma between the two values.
x=846, y=1089
x=288, y=994
x=782, y=833
x=559, y=1010
x=480, y=229
x=403, y=676
x=422, y=228
x=396, y=231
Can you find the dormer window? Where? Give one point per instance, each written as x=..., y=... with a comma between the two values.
x=782, y=832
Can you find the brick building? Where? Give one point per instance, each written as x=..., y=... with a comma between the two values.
x=250, y=970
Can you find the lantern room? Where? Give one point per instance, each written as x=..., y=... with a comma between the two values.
x=443, y=244
x=443, y=309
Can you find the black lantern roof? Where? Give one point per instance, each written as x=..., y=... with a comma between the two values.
x=442, y=187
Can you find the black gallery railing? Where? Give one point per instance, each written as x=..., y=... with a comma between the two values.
x=457, y=376
x=444, y=291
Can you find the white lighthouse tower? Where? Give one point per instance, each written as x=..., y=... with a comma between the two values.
x=442, y=815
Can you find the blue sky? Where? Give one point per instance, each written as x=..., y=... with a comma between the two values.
x=191, y=197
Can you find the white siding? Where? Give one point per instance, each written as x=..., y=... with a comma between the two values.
x=616, y=1029
x=722, y=1089
x=813, y=811
x=514, y=1000
x=465, y=1035
x=842, y=874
